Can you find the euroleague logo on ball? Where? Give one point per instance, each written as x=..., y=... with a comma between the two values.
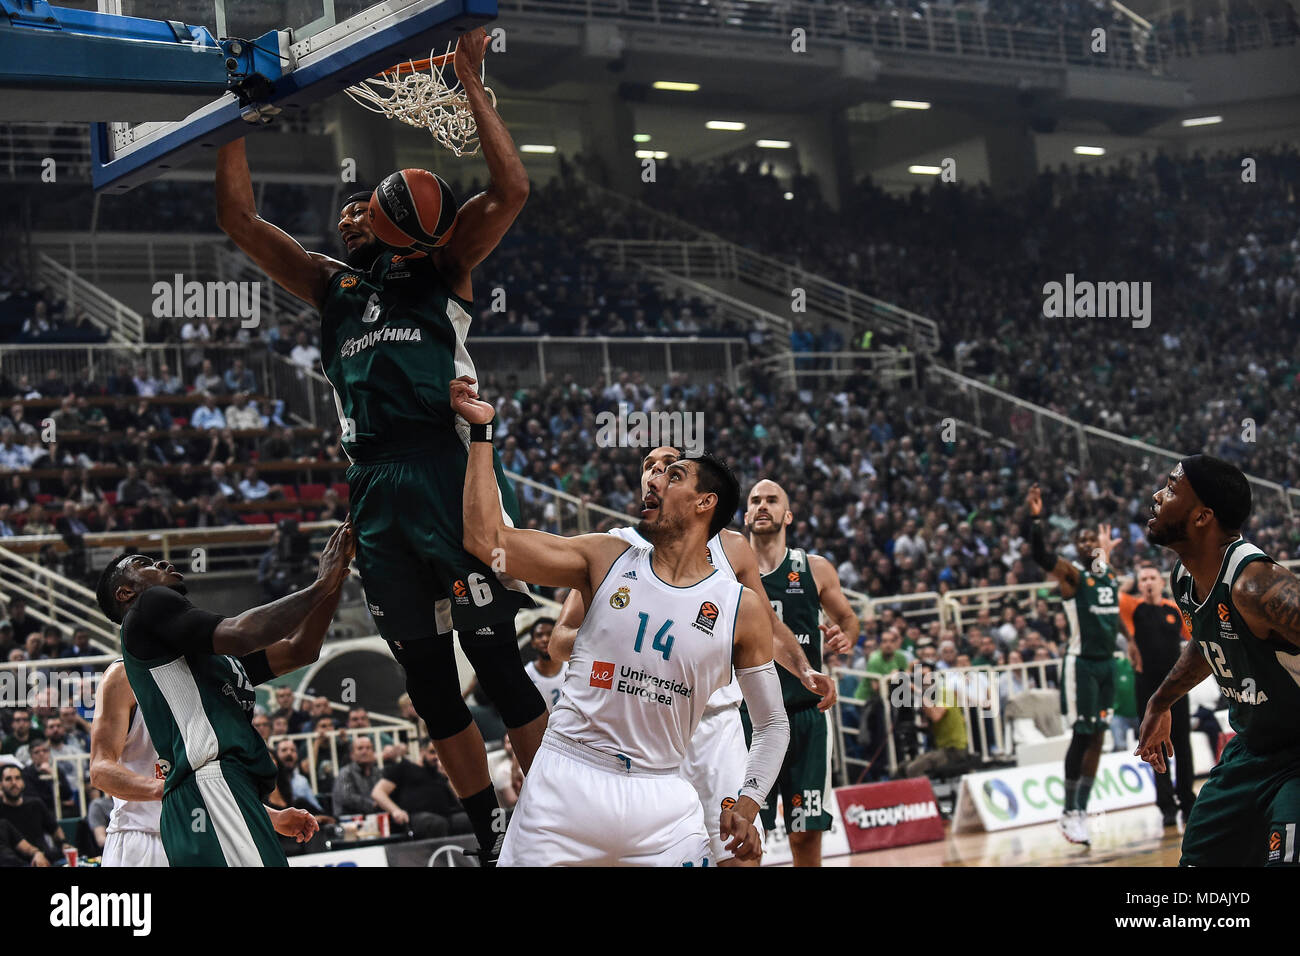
x=413, y=209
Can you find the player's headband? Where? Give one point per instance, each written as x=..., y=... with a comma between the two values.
x=357, y=197
x=1221, y=487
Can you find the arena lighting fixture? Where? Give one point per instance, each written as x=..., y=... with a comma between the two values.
x=651, y=154
x=641, y=138
x=728, y=125
x=1090, y=150
x=536, y=148
x=909, y=104
x=1203, y=121
x=925, y=170
x=789, y=195
x=773, y=144
x=676, y=86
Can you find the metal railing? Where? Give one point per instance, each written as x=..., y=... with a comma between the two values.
x=952, y=32
x=133, y=256
x=726, y=308
x=53, y=598
x=36, y=151
x=394, y=732
x=1033, y=426
x=102, y=359
x=276, y=302
x=122, y=323
x=887, y=367
x=593, y=360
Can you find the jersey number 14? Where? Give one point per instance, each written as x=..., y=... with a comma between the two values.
x=661, y=642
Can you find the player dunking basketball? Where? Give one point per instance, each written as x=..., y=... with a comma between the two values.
x=1243, y=610
x=718, y=749
x=799, y=585
x=663, y=634
x=393, y=330
x=1090, y=596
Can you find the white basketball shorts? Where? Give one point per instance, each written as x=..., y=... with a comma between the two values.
x=580, y=807
x=715, y=767
x=133, y=848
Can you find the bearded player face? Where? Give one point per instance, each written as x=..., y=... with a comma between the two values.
x=354, y=230
x=768, y=510
x=1171, y=510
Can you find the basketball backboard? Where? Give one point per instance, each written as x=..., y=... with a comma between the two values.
x=322, y=46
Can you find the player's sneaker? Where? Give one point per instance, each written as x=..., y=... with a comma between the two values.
x=1073, y=825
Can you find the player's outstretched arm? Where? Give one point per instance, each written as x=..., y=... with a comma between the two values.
x=842, y=634
x=1052, y=564
x=483, y=219
x=572, y=613
x=262, y=626
x=292, y=822
x=302, y=647
x=785, y=646
x=1268, y=597
x=756, y=674
x=1153, y=736
x=532, y=556
x=278, y=253
x=108, y=736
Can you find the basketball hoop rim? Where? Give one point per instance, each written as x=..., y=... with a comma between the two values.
x=418, y=66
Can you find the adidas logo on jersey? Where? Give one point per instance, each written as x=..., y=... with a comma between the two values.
x=484, y=632
x=630, y=574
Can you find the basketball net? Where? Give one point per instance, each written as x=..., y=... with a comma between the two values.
x=415, y=93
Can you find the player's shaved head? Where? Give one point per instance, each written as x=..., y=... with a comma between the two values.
x=767, y=508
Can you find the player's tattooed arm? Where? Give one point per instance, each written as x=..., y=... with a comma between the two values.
x=1268, y=596
x=1054, y=565
x=572, y=613
x=108, y=736
x=842, y=634
x=1154, y=745
x=277, y=252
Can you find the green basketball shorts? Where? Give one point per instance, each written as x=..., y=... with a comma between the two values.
x=804, y=783
x=216, y=818
x=418, y=577
x=1248, y=811
x=1087, y=692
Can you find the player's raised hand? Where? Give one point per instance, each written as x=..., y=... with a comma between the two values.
x=1035, y=500
x=837, y=642
x=821, y=685
x=470, y=50
x=740, y=836
x=1153, y=740
x=336, y=556
x=292, y=822
x=465, y=402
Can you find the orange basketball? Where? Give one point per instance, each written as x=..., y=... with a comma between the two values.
x=413, y=209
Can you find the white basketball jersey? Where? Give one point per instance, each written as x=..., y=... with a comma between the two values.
x=729, y=696
x=645, y=662
x=550, y=687
x=138, y=756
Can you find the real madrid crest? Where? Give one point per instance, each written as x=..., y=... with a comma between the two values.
x=620, y=598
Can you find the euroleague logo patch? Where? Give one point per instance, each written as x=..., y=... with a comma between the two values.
x=347, y=282
x=460, y=593
x=602, y=674
x=728, y=802
x=1274, y=846
x=1223, y=612
x=707, y=617
x=620, y=598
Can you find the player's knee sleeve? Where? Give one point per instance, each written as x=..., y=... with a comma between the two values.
x=434, y=685
x=1079, y=745
x=494, y=653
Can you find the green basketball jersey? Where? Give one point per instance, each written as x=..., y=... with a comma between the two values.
x=1093, y=614
x=197, y=709
x=793, y=593
x=1260, y=677
x=392, y=339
